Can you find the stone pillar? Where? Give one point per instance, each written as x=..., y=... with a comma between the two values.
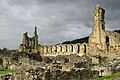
x=69, y=48
x=61, y=50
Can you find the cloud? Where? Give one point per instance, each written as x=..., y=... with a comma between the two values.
x=57, y=20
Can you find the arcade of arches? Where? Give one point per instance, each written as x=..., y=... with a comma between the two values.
x=63, y=49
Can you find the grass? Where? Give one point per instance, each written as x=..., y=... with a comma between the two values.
x=7, y=71
x=108, y=77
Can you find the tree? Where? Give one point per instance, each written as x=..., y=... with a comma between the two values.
x=5, y=50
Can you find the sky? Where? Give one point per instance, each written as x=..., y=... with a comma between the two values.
x=57, y=20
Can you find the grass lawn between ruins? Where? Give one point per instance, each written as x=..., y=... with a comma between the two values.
x=109, y=77
x=7, y=71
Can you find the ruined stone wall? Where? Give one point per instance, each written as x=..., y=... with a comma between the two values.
x=29, y=44
x=63, y=49
x=103, y=41
x=113, y=42
x=98, y=35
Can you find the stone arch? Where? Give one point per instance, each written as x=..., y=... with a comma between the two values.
x=78, y=48
x=55, y=48
x=42, y=50
x=46, y=48
x=66, y=49
x=50, y=48
x=85, y=48
x=71, y=48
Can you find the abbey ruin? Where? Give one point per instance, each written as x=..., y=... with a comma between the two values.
x=100, y=42
x=95, y=58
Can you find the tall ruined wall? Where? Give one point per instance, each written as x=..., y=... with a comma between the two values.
x=100, y=40
x=98, y=35
x=63, y=49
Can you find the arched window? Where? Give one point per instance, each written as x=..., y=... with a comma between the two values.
x=27, y=43
x=33, y=44
x=107, y=42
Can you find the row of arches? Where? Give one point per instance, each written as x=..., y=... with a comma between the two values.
x=70, y=48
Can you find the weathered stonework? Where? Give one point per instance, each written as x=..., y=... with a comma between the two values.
x=29, y=44
x=101, y=42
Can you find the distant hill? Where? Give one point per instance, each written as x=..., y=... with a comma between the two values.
x=81, y=40
x=118, y=31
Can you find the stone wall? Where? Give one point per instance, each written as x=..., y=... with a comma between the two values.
x=113, y=42
x=63, y=49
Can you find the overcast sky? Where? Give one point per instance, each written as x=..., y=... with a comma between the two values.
x=57, y=20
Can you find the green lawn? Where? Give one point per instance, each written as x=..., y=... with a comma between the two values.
x=109, y=77
x=7, y=71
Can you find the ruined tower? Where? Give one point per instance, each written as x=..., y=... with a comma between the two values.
x=29, y=45
x=97, y=37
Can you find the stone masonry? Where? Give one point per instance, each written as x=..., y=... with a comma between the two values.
x=102, y=41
